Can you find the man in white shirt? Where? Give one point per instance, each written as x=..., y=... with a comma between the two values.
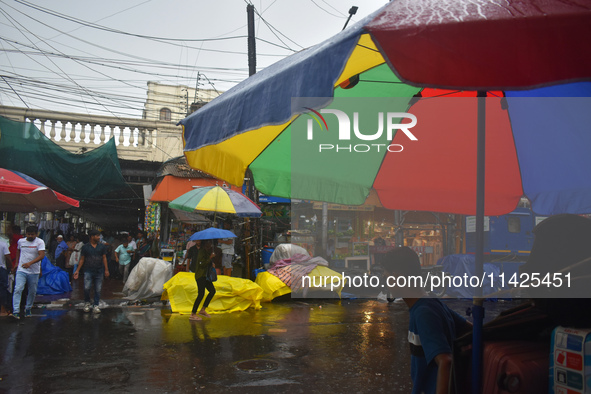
x=131, y=241
x=5, y=266
x=30, y=252
x=227, y=246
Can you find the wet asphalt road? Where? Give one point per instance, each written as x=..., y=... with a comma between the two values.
x=325, y=346
x=295, y=347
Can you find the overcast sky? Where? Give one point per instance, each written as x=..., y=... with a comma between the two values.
x=87, y=57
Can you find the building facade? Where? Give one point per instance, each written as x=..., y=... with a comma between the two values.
x=171, y=103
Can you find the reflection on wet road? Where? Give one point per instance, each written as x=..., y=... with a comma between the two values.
x=314, y=346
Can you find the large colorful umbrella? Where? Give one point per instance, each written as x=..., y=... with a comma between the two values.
x=530, y=45
x=21, y=193
x=502, y=47
x=216, y=199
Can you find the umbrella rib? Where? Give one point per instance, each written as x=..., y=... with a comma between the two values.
x=366, y=47
x=391, y=82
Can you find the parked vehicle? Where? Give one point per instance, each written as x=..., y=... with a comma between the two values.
x=506, y=237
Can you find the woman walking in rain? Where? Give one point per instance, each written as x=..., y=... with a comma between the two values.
x=201, y=264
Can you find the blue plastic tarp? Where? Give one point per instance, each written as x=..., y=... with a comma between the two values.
x=53, y=280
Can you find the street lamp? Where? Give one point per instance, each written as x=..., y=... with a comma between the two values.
x=352, y=11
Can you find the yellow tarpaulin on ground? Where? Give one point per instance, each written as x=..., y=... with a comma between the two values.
x=272, y=286
x=320, y=279
x=232, y=294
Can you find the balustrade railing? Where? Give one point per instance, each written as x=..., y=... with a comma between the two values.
x=136, y=139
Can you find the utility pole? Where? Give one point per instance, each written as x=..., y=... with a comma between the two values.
x=252, y=50
x=196, y=104
x=251, y=249
x=196, y=98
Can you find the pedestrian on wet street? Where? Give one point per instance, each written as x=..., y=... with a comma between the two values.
x=432, y=326
x=200, y=264
x=227, y=246
x=30, y=252
x=123, y=254
x=14, y=234
x=61, y=252
x=131, y=241
x=75, y=256
x=93, y=257
x=5, y=267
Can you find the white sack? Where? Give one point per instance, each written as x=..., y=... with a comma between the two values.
x=147, y=278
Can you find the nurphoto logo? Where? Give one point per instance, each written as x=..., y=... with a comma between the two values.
x=392, y=121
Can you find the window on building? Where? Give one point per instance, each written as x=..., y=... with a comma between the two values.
x=165, y=114
x=514, y=224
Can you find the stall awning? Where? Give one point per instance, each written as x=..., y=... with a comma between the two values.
x=171, y=187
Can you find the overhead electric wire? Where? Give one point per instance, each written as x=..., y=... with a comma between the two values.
x=101, y=62
x=131, y=63
x=40, y=86
x=64, y=74
x=163, y=41
x=343, y=15
x=212, y=85
x=142, y=61
x=69, y=88
x=50, y=96
x=329, y=13
x=71, y=103
x=15, y=92
x=123, y=68
x=111, y=30
x=69, y=57
x=31, y=87
x=273, y=29
x=51, y=27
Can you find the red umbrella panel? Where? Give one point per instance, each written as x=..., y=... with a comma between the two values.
x=21, y=193
x=484, y=45
x=439, y=172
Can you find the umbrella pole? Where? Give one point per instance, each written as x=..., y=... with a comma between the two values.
x=478, y=308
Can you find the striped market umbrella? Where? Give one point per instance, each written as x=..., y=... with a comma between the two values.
x=216, y=199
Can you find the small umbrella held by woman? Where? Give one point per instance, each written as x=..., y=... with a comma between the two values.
x=201, y=264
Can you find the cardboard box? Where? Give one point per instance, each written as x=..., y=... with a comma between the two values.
x=570, y=361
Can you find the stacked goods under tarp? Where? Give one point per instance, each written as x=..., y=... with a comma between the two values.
x=293, y=270
x=232, y=294
x=147, y=278
x=274, y=287
x=26, y=149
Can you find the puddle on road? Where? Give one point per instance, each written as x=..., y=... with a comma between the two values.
x=257, y=365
